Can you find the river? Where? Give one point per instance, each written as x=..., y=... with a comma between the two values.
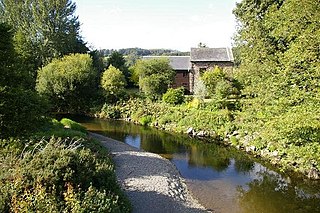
x=221, y=178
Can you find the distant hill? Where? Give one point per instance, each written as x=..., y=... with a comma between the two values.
x=143, y=52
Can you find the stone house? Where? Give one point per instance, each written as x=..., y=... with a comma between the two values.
x=189, y=68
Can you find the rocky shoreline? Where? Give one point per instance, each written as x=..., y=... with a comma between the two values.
x=151, y=182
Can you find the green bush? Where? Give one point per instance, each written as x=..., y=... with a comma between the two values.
x=59, y=176
x=145, y=120
x=220, y=84
x=113, y=83
x=110, y=111
x=223, y=89
x=211, y=77
x=73, y=125
x=154, y=76
x=174, y=96
x=69, y=83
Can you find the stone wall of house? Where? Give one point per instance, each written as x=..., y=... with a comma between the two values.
x=197, y=68
x=182, y=80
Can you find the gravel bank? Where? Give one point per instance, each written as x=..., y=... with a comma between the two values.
x=151, y=182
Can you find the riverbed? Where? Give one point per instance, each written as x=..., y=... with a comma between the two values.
x=221, y=178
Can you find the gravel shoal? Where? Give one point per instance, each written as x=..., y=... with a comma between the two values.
x=152, y=183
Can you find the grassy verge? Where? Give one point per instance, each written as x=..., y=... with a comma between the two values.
x=59, y=169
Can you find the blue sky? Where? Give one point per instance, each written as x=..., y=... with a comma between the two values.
x=173, y=24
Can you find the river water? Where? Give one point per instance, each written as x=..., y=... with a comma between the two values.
x=221, y=178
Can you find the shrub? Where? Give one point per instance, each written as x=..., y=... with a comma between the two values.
x=145, y=120
x=110, y=111
x=59, y=176
x=154, y=76
x=69, y=83
x=223, y=89
x=200, y=89
x=211, y=77
x=113, y=83
x=174, y=96
x=219, y=84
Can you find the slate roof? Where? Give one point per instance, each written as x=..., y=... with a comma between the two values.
x=211, y=54
x=176, y=62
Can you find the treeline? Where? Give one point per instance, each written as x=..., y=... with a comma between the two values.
x=144, y=52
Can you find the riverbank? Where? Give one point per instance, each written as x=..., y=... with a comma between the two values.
x=151, y=182
x=229, y=127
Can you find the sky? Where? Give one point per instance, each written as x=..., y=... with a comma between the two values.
x=152, y=24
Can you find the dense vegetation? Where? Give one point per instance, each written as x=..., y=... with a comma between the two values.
x=69, y=83
x=278, y=43
x=270, y=104
x=46, y=165
x=154, y=76
x=58, y=173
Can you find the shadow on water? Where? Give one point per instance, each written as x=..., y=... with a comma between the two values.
x=221, y=178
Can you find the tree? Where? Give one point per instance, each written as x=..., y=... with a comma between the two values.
x=113, y=83
x=278, y=42
x=69, y=83
x=45, y=29
x=155, y=75
x=117, y=60
x=20, y=109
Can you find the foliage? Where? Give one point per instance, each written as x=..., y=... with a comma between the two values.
x=155, y=75
x=20, y=111
x=175, y=118
x=145, y=120
x=174, y=96
x=20, y=108
x=219, y=84
x=144, y=52
x=113, y=83
x=200, y=89
x=45, y=29
x=59, y=176
x=278, y=49
x=211, y=77
x=69, y=83
x=110, y=111
x=73, y=125
x=117, y=60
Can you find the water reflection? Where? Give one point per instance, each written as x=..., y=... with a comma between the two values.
x=272, y=193
x=223, y=179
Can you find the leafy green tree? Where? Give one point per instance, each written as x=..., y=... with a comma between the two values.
x=155, y=75
x=118, y=61
x=113, y=83
x=69, y=83
x=278, y=43
x=45, y=29
x=20, y=108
